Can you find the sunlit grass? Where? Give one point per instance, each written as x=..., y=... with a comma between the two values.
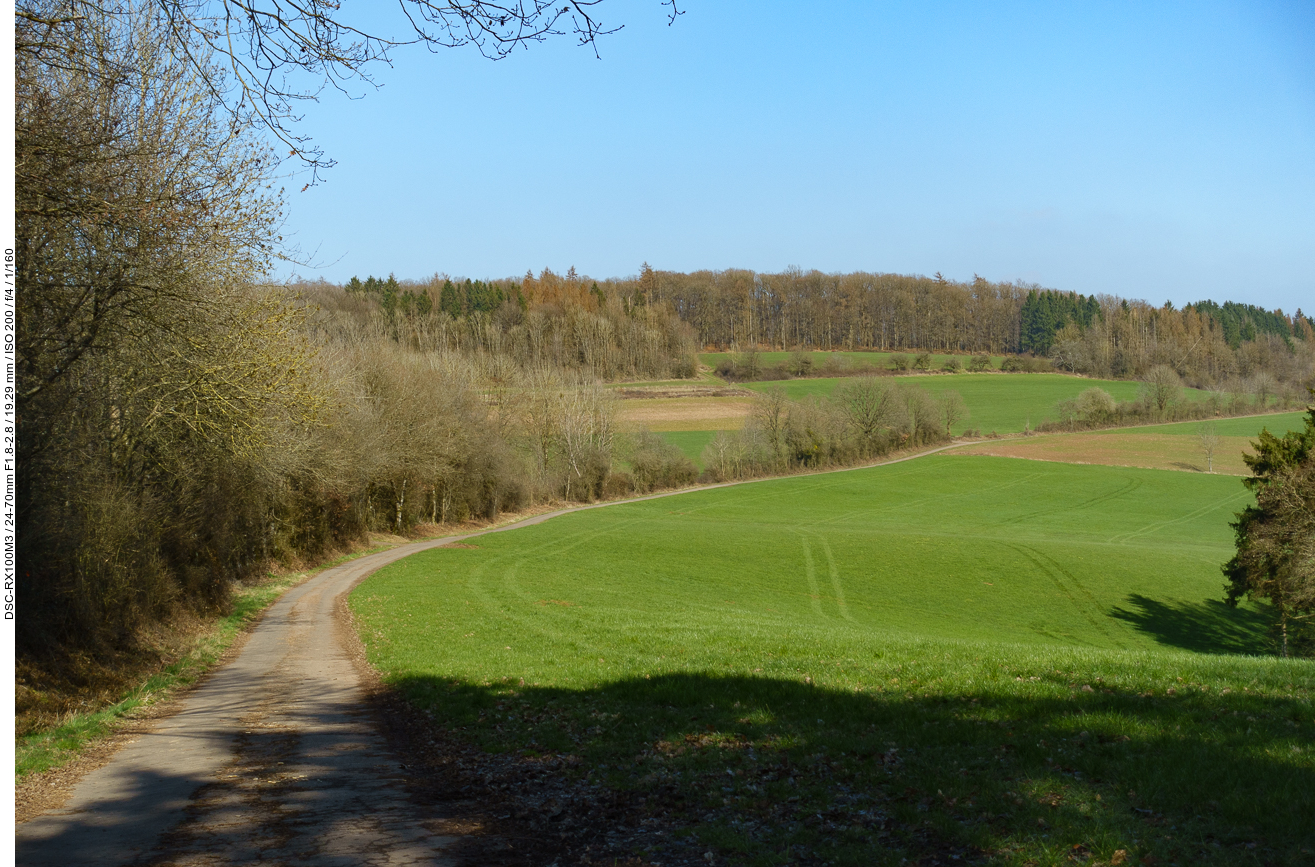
x=955, y=650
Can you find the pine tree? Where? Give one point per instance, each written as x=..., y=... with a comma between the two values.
x=449, y=300
x=1275, y=557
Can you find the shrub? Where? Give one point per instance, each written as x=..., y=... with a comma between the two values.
x=979, y=363
x=952, y=364
x=1095, y=405
x=923, y=361
x=657, y=463
x=619, y=484
x=899, y=361
x=1025, y=364
x=800, y=363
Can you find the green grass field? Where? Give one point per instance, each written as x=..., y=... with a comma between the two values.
x=691, y=442
x=1278, y=423
x=1021, y=661
x=1003, y=403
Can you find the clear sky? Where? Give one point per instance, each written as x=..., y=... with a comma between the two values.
x=1152, y=150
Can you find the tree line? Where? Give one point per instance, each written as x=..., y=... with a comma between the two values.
x=1104, y=335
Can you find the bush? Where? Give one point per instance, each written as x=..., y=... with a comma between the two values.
x=923, y=361
x=685, y=367
x=1024, y=364
x=800, y=363
x=979, y=363
x=1095, y=406
x=899, y=361
x=952, y=364
x=657, y=464
x=619, y=484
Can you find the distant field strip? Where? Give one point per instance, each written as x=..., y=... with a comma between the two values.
x=687, y=413
x=1167, y=447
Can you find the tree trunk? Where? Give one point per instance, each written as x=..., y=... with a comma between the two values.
x=401, y=501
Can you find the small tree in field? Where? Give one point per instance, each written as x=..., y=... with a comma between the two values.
x=800, y=363
x=953, y=409
x=872, y=405
x=1209, y=440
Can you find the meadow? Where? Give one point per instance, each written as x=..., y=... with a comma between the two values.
x=953, y=657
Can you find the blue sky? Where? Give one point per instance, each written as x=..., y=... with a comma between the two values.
x=1160, y=151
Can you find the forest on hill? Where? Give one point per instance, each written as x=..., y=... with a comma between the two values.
x=1208, y=344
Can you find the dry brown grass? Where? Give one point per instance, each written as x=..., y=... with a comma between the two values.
x=1121, y=449
x=687, y=413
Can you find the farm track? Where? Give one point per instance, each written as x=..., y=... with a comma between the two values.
x=275, y=757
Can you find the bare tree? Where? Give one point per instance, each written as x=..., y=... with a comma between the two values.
x=924, y=414
x=1263, y=385
x=872, y=405
x=1161, y=388
x=953, y=409
x=771, y=412
x=1209, y=440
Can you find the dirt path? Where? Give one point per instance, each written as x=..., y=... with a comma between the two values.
x=275, y=758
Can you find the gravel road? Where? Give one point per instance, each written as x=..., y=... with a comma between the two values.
x=273, y=759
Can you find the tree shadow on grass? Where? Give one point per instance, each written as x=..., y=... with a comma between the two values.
x=1203, y=627
x=765, y=770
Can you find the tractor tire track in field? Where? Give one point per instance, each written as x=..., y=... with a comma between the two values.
x=1124, y=538
x=1083, y=601
x=814, y=589
x=835, y=579
x=1129, y=487
x=275, y=757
